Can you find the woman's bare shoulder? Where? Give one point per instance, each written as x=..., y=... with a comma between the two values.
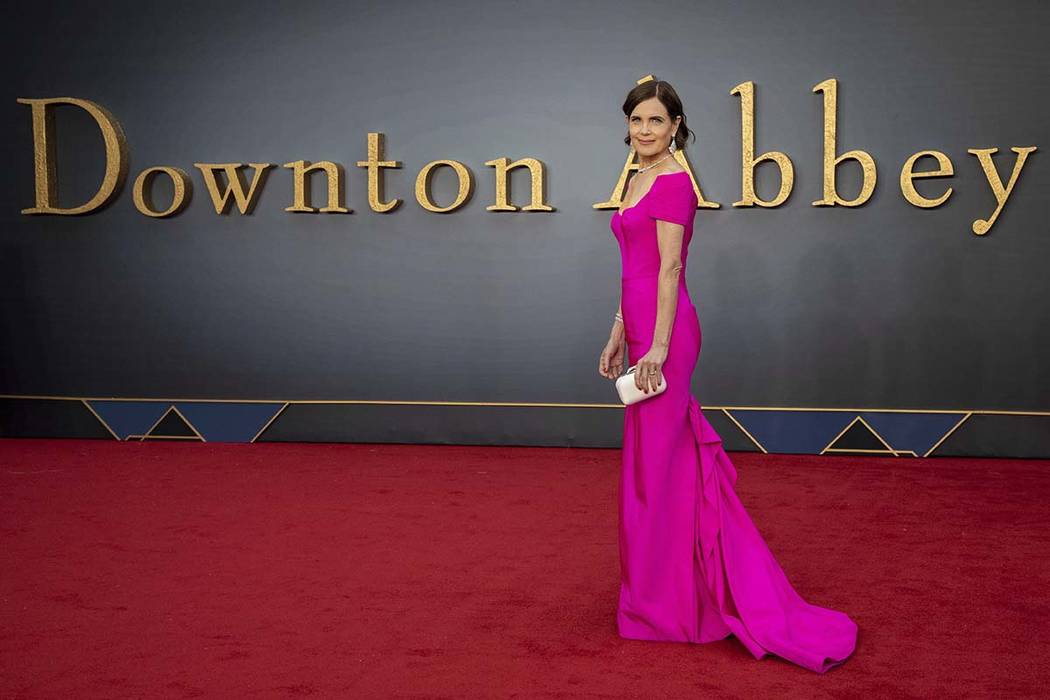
x=672, y=170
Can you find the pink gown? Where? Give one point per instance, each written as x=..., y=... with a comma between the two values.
x=693, y=566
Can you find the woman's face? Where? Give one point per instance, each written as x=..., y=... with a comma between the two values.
x=651, y=128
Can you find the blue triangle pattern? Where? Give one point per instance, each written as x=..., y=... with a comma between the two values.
x=129, y=417
x=793, y=432
x=223, y=421
x=911, y=431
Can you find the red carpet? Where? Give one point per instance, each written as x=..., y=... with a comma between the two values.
x=399, y=571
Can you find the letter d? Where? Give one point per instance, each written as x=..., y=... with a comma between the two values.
x=44, y=156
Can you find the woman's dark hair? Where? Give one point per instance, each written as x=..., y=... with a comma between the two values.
x=661, y=90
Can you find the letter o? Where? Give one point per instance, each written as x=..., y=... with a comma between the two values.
x=462, y=175
x=180, y=180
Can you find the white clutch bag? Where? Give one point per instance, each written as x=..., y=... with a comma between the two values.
x=629, y=393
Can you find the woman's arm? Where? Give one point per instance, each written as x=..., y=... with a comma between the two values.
x=617, y=332
x=610, y=362
x=669, y=238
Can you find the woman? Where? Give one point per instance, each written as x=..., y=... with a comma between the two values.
x=693, y=566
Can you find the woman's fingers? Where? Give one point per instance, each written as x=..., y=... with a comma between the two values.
x=606, y=366
x=647, y=377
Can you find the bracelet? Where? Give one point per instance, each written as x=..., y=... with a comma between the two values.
x=619, y=317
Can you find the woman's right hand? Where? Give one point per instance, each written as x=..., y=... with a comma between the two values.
x=610, y=363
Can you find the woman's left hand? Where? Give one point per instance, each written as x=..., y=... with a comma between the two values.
x=649, y=372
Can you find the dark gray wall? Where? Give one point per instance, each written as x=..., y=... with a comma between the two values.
x=882, y=306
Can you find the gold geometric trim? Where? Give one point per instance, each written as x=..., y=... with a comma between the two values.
x=164, y=437
x=954, y=428
x=279, y=412
x=745, y=431
x=829, y=448
x=149, y=433
x=104, y=423
x=967, y=412
x=895, y=453
x=724, y=409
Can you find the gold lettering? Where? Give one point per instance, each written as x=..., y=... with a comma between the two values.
x=181, y=185
x=375, y=182
x=616, y=200
x=44, y=156
x=867, y=163
x=908, y=174
x=423, y=179
x=301, y=186
x=748, y=198
x=984, y=155
x=245, y=202
x=503, y=167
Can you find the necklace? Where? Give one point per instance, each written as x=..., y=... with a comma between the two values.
x=653, y=165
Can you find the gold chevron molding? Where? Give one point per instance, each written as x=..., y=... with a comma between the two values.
x=223, y=181
x=829, y=448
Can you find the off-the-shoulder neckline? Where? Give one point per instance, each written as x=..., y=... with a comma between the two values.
x=651, y=186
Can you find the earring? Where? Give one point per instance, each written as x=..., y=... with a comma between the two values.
x=671, y=146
